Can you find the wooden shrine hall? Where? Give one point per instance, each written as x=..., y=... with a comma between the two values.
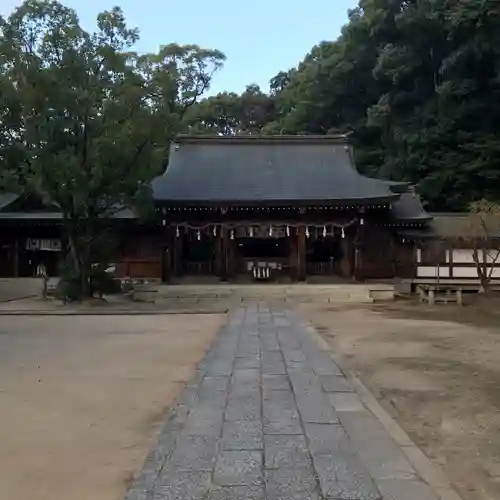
x=249, y=208
x=280, y=208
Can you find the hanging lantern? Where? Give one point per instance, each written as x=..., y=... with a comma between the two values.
x=324, y=231
x=232, y=234
x=198, y=236
x=288, y=230
x=214, y=231
x=250, y=232
x=177, y=232
x=270, y=230
x=164, y=222
x=362, y=221
x=307, y=232
x=343, y=233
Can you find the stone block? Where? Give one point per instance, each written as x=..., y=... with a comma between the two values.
x=275, y=383
x=244, y=435
x=407, y=489
x=220, y=366
x=286, y=422
x=214, y=384
x=324, y=365
x=176, y=485
x=236, y=493
x=333, y=383
x=250, y=375
x=239, y=468
x=204, y=421
x=292, y=484
x=273, y=368
x=248, y=362
x=194, y=453
x=303, y=380
x=346, y=402
x=243, y=408
x=383, y=458
x=215, y=400
x=286, y=451
x=326, y=438
x=315, y=408
x=342, y=477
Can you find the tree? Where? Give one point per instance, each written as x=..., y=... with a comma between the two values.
x=231, y=114
x=86, y=123
x=417, y=83
x=481, y=234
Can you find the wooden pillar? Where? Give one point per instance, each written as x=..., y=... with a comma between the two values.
x=347, y=263
x=177, y=253
x=166, y=262
x=218, y=253
x=16, y=257
x=230, y=257
x=222, y=254
x=301, y=253
x=293, y=260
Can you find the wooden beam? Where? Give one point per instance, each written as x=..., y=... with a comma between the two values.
x=301, y=253
x=16, y=257
x=293, y=261
x=224, y=254
x=177, y=254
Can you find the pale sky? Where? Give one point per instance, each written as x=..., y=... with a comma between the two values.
x=259, y=38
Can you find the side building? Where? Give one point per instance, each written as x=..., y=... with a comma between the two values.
x=265, y=208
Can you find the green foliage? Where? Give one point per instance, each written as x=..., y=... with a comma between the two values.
x=85, y=123
x=416, y=82
x=232, y=114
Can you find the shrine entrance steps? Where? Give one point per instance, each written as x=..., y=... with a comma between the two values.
x=233, y=293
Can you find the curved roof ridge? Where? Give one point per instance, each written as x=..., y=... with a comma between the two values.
x=260, y=139
x=260, y=170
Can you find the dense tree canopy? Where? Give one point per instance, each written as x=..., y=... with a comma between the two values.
x=417, y=82
x=85, y=122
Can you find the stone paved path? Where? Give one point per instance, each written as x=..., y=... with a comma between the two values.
x=269, y=415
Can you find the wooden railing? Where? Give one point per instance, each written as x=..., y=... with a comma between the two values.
x=202, y=268
x=320, y=268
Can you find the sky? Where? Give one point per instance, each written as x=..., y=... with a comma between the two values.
x=258, y=37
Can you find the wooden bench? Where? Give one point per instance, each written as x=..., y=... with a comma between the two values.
x=446, y=295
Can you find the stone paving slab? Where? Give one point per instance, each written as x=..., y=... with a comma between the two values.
x=269, y=415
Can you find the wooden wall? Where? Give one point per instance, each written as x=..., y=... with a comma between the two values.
x=140, y=255
x=440, y=259
x=375, y=253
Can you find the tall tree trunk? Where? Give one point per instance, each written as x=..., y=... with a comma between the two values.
x=481, y=272
x=80, y=258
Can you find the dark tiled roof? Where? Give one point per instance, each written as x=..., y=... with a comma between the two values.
x=31, y=215
x=266, y=169
x=409, y=208
x=125, y=213
x=447, y=226
x=398, y=187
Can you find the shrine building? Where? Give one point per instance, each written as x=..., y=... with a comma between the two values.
x=246, y=208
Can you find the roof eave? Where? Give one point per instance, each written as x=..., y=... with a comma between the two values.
x=279, y=203
x=261, y=139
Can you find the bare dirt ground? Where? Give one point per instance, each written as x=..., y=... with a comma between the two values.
x=83, y=397
x=437, y=371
